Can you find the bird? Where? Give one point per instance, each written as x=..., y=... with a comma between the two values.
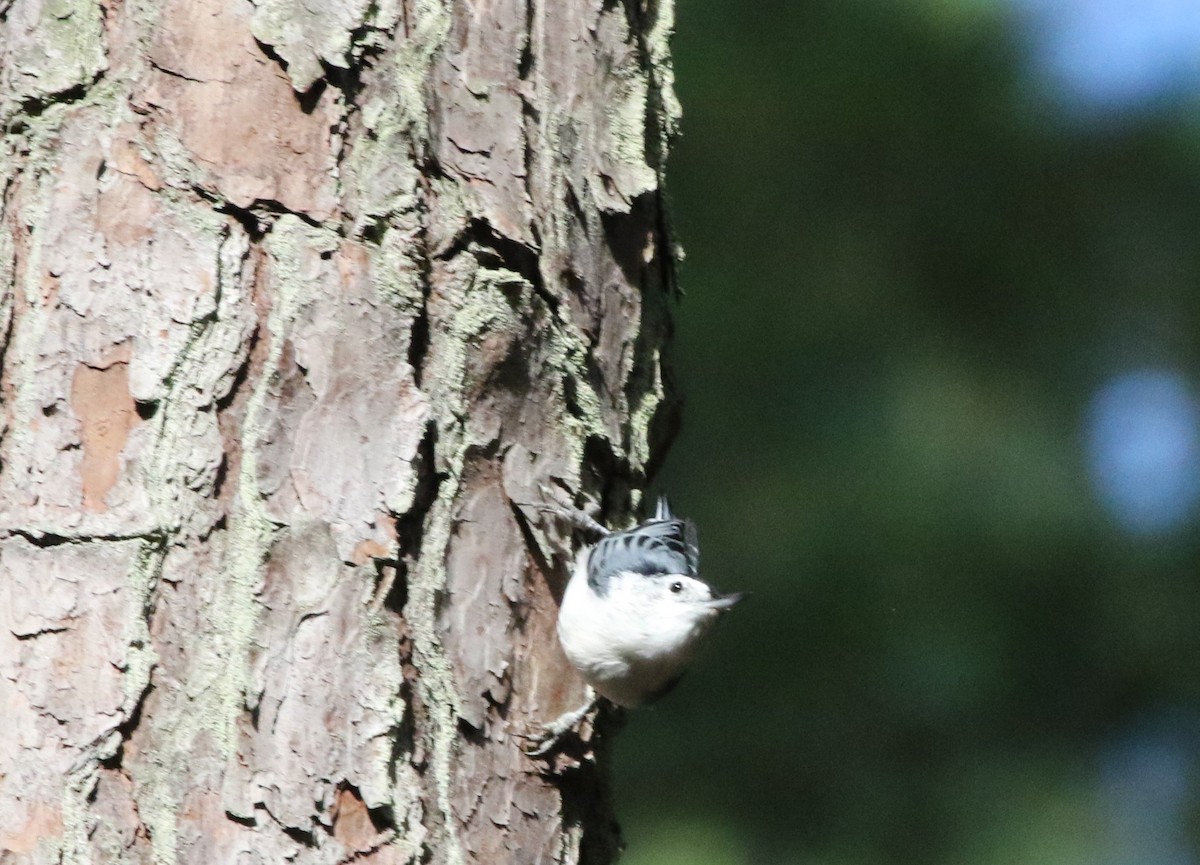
x=635, y=610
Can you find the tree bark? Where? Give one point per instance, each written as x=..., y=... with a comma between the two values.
x=302, y=305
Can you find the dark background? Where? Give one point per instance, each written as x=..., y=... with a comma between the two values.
x=939, y=350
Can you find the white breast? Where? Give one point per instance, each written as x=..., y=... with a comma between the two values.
x=624, y=649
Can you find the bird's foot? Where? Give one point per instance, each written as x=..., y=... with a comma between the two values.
x=555, y=732
x=572, y=516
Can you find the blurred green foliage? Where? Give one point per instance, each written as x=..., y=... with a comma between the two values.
x=908, y=270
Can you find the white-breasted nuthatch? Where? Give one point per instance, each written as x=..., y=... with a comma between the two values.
x=635, y=609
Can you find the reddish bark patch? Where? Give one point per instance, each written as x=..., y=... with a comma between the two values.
x=44, y=822
x=101, y=401
x=127, y=159
x=352, y=824
x=234, y=110
x=368, y=549
x=127, y=213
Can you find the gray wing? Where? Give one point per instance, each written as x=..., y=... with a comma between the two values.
x=657, y=546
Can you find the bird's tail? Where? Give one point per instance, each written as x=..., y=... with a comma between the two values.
x=663, y=510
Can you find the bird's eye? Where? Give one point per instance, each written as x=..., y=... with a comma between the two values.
x=677, y=587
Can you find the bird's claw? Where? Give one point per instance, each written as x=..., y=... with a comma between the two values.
x=572, y=516
x=552, y=734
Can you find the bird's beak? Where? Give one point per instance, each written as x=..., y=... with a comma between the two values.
x=721, y=603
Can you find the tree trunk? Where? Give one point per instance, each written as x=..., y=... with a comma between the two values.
x=303, y=303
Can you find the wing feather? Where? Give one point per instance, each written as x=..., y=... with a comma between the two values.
x=657, y=546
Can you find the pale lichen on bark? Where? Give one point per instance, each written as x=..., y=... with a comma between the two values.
x=295, y=330
x=51, y=48
x=306, y=36
x=251, y=528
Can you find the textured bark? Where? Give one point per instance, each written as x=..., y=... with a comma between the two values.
x=302, y=303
